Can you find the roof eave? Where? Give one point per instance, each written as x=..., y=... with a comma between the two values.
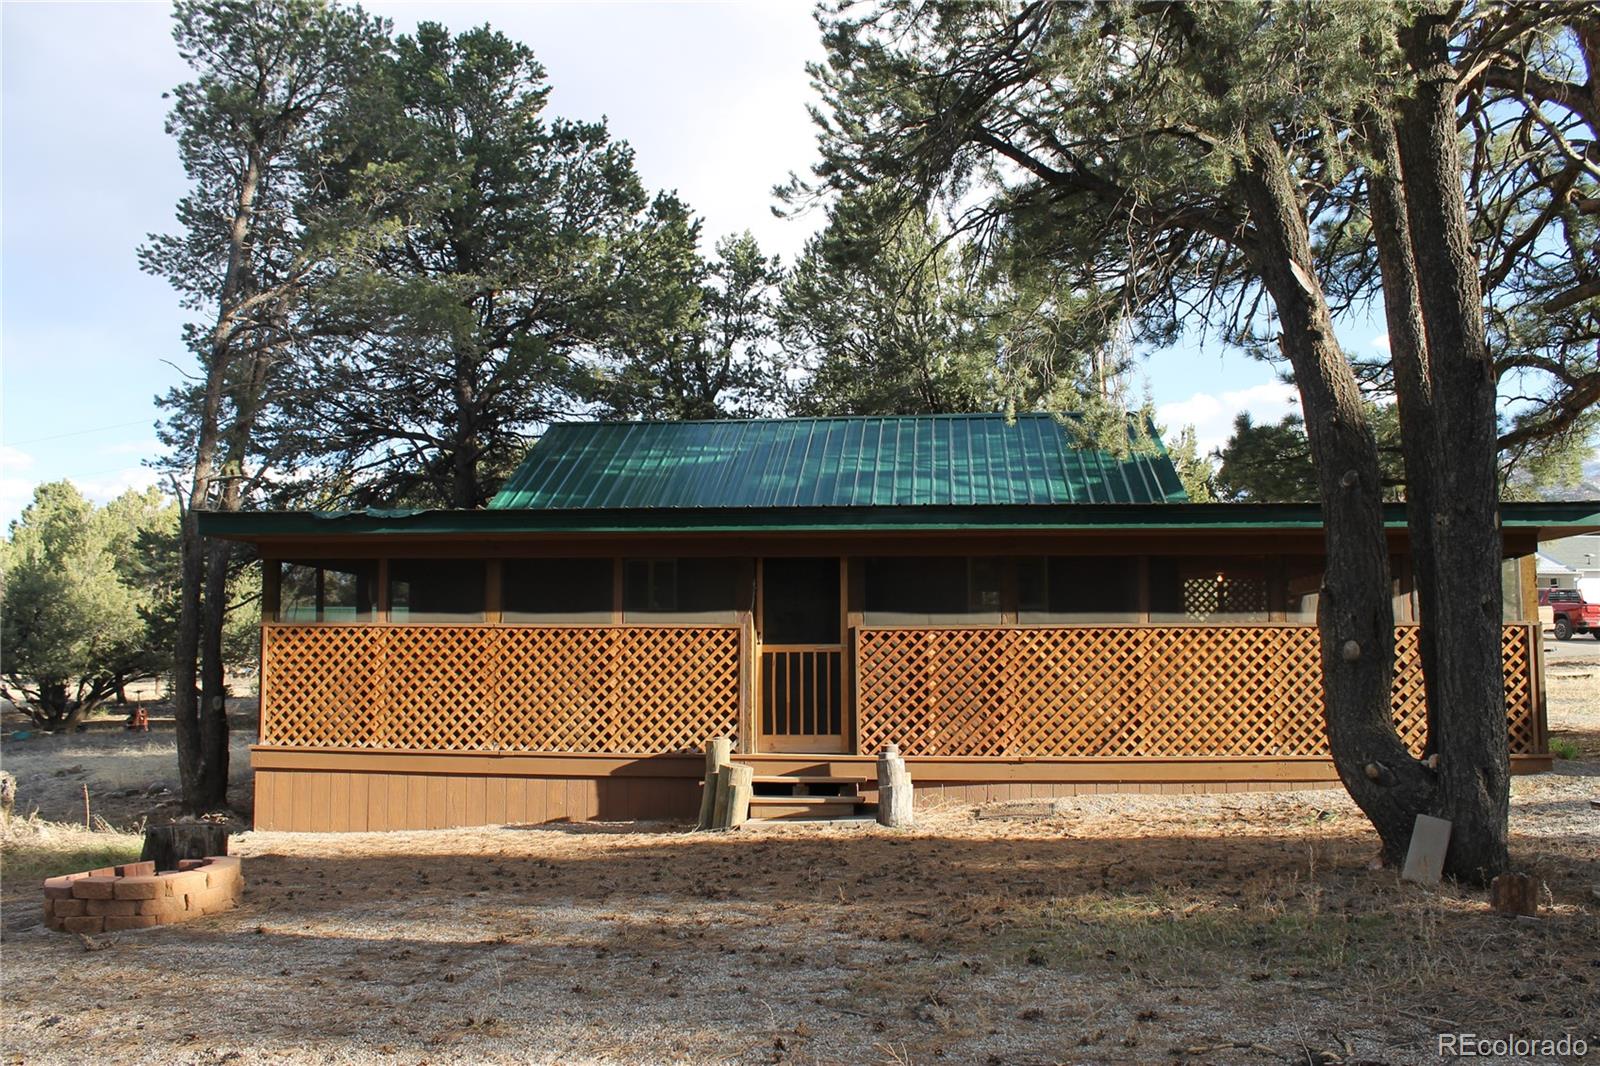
x=1565, y=518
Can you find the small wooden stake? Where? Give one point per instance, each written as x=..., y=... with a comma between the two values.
x=1515, y=894
x=1430, y=839
x=718, y=754
x=894, y=790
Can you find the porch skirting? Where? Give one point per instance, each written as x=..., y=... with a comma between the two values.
x=361, y=791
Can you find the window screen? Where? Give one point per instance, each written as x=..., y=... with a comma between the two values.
x=688, y=590
x=436, y=590
x=327, y=591
x=1078, y=589
x=1202, y=591
x=556, y=590
x=916, y=590
x=800, y=601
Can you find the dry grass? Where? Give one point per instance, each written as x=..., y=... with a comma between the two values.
x=1119, y=929
x=32, y=849
x=1129, y=929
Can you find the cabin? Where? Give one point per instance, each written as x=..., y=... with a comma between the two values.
x=1023, y=614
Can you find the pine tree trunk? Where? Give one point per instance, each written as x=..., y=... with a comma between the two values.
x=1355, y=613
x=1469, y=720
x=213, y=690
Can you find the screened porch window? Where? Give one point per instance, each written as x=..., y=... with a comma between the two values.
x=556, y=590
x=690, y=590
x=436, y=590
x=1218, y=591
x=949, y=590
x=1078, y=589
x=327, y=591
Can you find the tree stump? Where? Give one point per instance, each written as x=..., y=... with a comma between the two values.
x=165, y=845
x=718, y=755
x=894, y=790
x=1515, y=894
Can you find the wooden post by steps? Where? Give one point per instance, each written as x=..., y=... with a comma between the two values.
x=894, y=790
x=719, y=753
x=165, y=845
x=741, y=786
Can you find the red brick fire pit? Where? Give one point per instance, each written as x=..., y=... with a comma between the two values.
x=136, y=897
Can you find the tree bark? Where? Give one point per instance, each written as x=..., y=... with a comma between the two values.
x=196, y=738
x=1355, y=612
x=1468, y=724
x=167, y=845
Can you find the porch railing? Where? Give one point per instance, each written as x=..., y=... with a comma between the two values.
x=802, y=691
x=1132, y=691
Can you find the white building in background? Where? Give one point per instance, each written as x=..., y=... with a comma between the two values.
x=1571, y=562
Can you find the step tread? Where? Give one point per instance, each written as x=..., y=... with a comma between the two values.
x=806, y=801
x=809, y=779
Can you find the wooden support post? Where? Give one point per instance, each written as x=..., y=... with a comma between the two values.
x=741, y=786
x=724, y=793
x=718, y=754
x=894, y=790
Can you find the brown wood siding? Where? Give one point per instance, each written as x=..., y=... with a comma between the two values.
x=355, y=800
x=1139, y=691
x=375, y=791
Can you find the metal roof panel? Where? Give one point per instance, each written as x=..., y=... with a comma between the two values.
x=910, y=461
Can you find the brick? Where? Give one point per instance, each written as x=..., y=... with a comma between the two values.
x=53, y=922
x=207, y=899
x=104, y=871
x=226, y=903
x=69, y=908
x=137, y=869
x=191, y=864
x=58, y=887
x=88, y=923
x=123, y=907
x=95, y=887
x=160, y=906
x=184, y=883
x=117, y=922
x=138, y=887
x=223, y=878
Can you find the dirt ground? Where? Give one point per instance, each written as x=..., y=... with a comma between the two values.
x=1107, y=929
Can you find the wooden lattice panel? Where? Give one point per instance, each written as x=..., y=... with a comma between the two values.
x=633, y=690
x=1129, y=691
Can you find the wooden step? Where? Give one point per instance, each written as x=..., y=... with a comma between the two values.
x=812, y=779
x=796, y=808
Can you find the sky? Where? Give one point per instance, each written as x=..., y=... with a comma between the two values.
x=712, y=96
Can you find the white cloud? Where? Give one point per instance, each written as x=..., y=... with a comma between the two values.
x=16, y=488
x=1212, y=414
x=1381, y=341
x=141, y=448
x=106, y=487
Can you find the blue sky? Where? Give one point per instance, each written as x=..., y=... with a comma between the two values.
x=712, y=97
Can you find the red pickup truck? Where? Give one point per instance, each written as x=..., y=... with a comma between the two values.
x=1572, y=614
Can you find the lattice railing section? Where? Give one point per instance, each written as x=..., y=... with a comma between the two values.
x=1132, y=691
x=630, y=690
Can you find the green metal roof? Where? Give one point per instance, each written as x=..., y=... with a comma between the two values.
x=914, y=461
x=1560, y=518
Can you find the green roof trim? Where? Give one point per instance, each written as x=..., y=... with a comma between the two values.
x=259, y=525
x=981, y=460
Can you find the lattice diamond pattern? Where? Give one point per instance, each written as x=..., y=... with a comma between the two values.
x=1129, y=691
x=615, y=689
